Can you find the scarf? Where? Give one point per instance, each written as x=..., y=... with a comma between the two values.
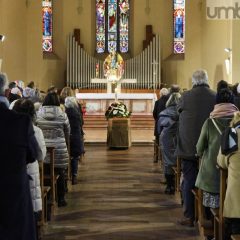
x=223, y=110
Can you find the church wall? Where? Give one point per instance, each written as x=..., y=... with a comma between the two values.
x=34, y=50
x=236, y=50
x=215, y=37
x=177, y=70
x=13, y=15
x=205, y=39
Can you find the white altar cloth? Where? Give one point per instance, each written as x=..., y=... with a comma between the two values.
x=137, y=103
x=121, y=96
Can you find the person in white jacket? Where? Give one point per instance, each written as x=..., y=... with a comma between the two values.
x=27, y=107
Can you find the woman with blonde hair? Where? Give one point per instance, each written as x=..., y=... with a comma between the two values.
x=76, y=137
x=66, y=92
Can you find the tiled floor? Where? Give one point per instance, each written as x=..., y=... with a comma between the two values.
x=119, y=197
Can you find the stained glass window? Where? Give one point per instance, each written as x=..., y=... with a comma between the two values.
x=179, y=26
x=112, y=26
x=47, y=26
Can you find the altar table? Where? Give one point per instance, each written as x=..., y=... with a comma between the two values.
x=137, y=103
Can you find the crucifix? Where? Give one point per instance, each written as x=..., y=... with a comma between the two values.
x=113, y=68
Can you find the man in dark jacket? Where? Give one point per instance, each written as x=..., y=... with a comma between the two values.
x=194, y=108
x=18, y=147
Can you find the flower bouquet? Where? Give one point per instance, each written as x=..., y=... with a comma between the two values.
x=117, y=109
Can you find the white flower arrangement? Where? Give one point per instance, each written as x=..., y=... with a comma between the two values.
x=117, y=109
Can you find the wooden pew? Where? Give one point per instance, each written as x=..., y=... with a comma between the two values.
x=235, y=237
x=205, y=226
x=196, y=203
x=156, y=151
x=218, y=214
x=52, y=178
x=177, y=173
x=44, y=192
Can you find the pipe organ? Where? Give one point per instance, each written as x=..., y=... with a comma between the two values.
x=145, y=67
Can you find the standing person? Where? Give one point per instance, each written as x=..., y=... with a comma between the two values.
x=159, y=107
x=26, y=106
x=194, y=108
x=208, y=178
x=56, y=130
x=76, y=140
x=167, y=129
x=231, y=210
x=18, y=147
x=68, y=92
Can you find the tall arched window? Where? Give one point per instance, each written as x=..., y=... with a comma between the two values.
x=47, y=26
x=112, y=26
x=179, y=26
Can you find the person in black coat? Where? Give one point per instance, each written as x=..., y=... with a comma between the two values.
x=194, y=108
x=18, y=147
x=159, y=106
x=76, y=137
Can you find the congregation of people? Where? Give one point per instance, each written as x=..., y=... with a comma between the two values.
x=31, y=121
x=201, y=128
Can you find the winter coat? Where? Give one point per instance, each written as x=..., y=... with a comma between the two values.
x=33, y=171
x=159, y=107
x=167, y=129
x=56, y=130
x=208, y=178
x=76, y=139
x=18, y=147
x=194, y=108
x=232, y=199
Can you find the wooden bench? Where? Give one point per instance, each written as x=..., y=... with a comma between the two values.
x=177, y=173
x=205, y=226
x=44, y=193
x=218, y=214
x=235, y=237
x=156, y=151
x=196, y=203
x=52, y=178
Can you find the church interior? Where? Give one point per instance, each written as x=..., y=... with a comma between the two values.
x=119, y=58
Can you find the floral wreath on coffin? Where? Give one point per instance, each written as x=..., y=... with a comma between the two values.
x=117, y=109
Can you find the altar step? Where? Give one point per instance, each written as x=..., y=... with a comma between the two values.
x=137, y=122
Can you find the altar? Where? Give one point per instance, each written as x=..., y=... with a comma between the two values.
x=137, y=103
